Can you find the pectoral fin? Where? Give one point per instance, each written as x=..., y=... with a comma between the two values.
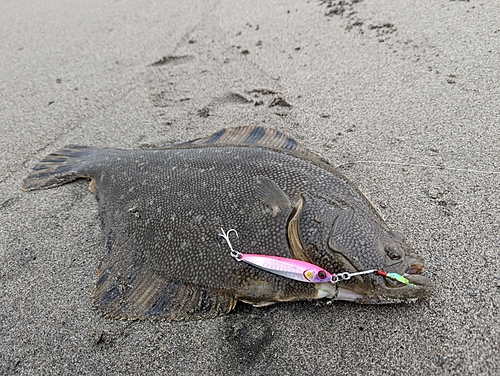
x=271, y=195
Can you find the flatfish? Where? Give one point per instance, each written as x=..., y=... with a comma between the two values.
x=161, y=210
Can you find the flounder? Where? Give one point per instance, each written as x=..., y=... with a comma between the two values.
x=161, y=210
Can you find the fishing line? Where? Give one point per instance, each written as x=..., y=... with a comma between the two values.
x=406, y=164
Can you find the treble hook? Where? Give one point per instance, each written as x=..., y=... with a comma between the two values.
x=237, y=255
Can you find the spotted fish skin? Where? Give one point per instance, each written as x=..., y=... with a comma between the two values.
x=161, y=210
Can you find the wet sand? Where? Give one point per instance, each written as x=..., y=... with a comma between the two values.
x=413, y=83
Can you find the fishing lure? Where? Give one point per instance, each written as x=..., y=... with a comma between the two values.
x=290, y=268
x=297, y=269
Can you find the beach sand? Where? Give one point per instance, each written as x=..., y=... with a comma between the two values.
x=361, y=83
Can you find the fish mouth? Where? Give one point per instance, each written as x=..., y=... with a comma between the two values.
x=377, y=289
x=413, y=273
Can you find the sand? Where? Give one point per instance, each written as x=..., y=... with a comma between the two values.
x=414, y=83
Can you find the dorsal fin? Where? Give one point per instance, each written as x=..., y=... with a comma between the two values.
x=252, y=136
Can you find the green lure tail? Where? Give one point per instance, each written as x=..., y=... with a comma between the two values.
x=396, y=276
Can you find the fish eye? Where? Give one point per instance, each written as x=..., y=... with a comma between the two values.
x=321, y=274
x=393, y=253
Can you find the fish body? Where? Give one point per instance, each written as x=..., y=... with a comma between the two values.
x=161, y=210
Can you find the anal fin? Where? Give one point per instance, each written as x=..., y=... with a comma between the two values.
x=179, y=301
x=150, y=296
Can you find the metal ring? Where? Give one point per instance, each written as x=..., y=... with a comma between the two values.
x=236, y=255
x=344, y=276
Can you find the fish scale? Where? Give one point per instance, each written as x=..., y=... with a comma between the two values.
x=161, y=210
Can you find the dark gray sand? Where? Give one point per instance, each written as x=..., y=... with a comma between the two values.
x=412, y=82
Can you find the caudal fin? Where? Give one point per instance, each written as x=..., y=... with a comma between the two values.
x=61, y=167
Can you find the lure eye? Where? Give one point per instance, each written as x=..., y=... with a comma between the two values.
x=321, y=274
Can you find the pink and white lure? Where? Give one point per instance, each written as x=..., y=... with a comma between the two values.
x=290, y=268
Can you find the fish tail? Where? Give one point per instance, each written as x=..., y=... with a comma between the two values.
x=61, y=167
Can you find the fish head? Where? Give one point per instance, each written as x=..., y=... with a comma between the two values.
x=349, y=238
